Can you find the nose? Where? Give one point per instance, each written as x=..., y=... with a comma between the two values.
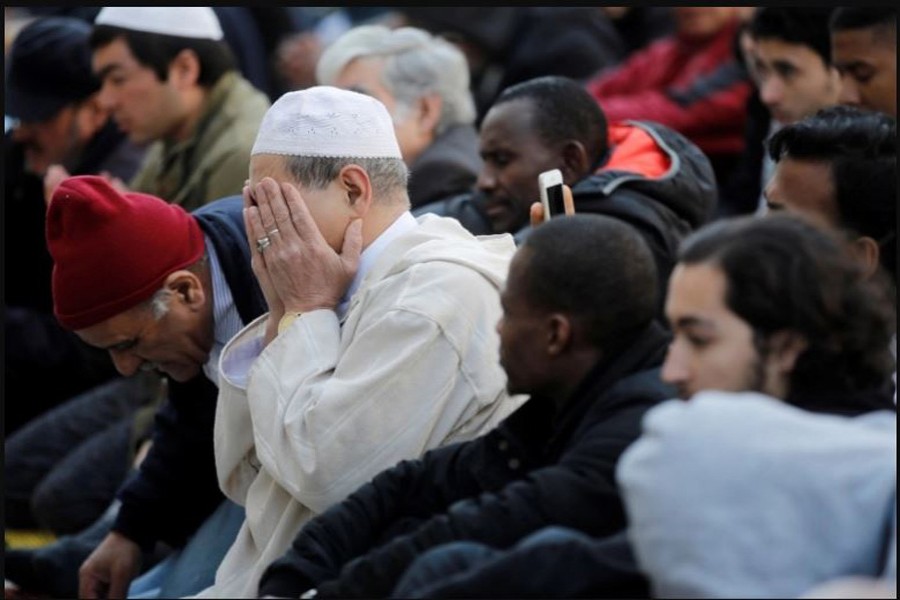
x=674, y=370
x=126, y=363
x=486, y=181
x=849, y=92
x=770, y=91
x=106, y=96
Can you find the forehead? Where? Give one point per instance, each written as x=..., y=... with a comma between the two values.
x=365, y=75
x=776, y=50
x=696, y=290
x=364, y=71
x=267, y=165
x=509, y=124
x=806, y=188
x=117, y=53
x=861, y=45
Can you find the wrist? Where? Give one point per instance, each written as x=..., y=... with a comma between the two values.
x=286, y=320
x=272, y=326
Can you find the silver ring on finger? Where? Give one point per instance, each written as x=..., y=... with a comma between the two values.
x=273, y=231
x=263, y=243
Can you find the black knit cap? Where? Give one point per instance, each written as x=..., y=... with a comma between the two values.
x=48, y=67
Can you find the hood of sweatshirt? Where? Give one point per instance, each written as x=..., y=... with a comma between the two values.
x=443, y=239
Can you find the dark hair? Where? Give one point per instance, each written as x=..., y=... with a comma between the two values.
x=807, y=26
x=861, y=147
x=783, y=273
x=597, y=269
x=881, y=18
x=564, y=111
x=157, y=51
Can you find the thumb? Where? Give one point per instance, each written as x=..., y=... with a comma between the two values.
x=352, y=247
x=568, y=200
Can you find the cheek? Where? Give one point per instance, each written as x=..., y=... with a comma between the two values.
x=332, y=223
x=522, y=186
x=49, y=136
x=506, y=338
x=726, y=368
x=142, y=93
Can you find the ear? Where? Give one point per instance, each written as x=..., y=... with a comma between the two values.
x=355, y=183
x=559, y=334
x=575, y=162
x=187, y=288
x=785, y=347
x=867, y=252
x=184, y=70
x=429, y=113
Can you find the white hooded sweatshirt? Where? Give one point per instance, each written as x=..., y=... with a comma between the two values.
x=739, y=495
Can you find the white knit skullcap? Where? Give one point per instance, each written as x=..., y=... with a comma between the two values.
x=327, y=121
x=185, y=21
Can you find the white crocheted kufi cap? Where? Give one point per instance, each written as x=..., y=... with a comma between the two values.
x=184, y=21
x=327, y=121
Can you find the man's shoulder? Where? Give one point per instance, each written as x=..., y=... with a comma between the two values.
x=236, y=117
x=229, y=206
x=439, y=266
x=245, y=105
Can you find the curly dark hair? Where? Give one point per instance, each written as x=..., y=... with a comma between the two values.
x=784, y=274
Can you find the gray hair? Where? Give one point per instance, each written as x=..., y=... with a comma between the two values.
x=158, y=304
x=389, y=176
x=416, y=64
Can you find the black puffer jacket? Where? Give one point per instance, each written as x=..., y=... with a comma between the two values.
x=656, y=180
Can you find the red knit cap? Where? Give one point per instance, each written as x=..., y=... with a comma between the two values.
x=112, y=251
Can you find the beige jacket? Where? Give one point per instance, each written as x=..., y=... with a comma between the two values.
x=329, y=405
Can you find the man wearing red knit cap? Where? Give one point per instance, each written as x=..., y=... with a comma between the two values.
x=112, y=252
x=163, y=289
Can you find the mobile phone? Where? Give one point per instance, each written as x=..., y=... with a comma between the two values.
x=551, y=185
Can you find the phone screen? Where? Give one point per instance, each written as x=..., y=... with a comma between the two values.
x=555, y=200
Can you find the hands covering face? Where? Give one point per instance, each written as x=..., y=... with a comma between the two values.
x=296, y=268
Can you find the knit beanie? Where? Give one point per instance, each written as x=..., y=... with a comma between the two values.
x=112, y=250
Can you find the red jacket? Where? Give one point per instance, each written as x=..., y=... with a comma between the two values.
x=699, y=90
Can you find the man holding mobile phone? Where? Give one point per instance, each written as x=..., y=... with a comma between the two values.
x=639, y=172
